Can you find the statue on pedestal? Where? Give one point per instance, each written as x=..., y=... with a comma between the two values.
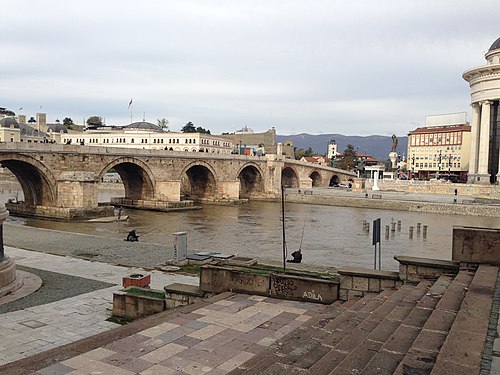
x=394, y=143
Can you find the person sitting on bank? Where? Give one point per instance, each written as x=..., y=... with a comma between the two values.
x=132, y=236
x=297, y=257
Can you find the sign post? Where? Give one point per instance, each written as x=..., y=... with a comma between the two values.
x=375, y=241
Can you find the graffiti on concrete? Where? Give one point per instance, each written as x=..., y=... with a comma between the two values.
x=312, y=295
x=247, y=280
x=283, y=286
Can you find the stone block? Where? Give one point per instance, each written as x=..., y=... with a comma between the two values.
x=360, y=283
x=239, y=281
x=429, y=272
x=476, y=245
x=133, y=306
x=346, y=281
x=303, y=288
x=343, y=294
x=354, y=293
x=403, y=271
x=374, y=285
x=387, y=284
x=213, y=279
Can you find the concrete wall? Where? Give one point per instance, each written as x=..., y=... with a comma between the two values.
x=435, y=187
x=356, y=282
x=476, y=245
x=395, y=205
x=216, y=279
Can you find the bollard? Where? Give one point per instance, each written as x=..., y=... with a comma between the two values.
x=418, y=227
x=386, y=232
x=424, y=233
x=399, y=225
x=393, y=226
x=411, y=233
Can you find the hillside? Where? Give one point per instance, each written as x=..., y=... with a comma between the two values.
x=377, y=146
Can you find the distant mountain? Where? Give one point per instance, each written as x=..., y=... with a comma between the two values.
x=377, y=146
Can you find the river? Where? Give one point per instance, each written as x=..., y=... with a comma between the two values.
x=332, y=236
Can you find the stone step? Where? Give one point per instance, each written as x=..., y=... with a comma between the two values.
x=354, y=332
x=381, y=327
x=386, y=330
x=463, y=348
x=304, y=343
x=449, y=291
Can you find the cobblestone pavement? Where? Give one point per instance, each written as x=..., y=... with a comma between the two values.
x=49, y=325
x=213, y=339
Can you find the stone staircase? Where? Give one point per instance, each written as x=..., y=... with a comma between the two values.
x=437, y=326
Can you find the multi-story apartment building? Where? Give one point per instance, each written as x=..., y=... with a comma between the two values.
x=440, y=149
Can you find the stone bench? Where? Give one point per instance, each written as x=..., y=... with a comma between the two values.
x=182, y=294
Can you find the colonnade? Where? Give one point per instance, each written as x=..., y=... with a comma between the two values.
x=484, y=146
x=484, y=81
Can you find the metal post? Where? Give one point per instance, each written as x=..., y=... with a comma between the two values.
x=283, y=220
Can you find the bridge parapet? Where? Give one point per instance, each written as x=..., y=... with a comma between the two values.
x=68, y=176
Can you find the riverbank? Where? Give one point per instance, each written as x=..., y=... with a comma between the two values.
x=396, y=201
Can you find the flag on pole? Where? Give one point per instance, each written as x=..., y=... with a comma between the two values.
x=40, y=107
x=129, y=103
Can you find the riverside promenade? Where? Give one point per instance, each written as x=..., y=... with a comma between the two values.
x=235, y=333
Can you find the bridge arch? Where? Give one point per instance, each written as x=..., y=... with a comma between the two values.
x=335, y=180
x=37, y=182
x=136, y=176
x=251, y=181
x=289, y=177
x=316, y=178
x=198, y=181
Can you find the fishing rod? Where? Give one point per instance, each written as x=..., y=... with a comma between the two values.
x=303, y=230
x=155, y=228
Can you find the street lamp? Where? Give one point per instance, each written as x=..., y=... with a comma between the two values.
x=439, y=163
x=412, y=166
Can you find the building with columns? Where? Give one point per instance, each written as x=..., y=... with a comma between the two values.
x=484, y=83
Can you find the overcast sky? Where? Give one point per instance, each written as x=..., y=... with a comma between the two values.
x=318, y=66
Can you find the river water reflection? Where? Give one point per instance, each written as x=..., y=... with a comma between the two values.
x=333, y=236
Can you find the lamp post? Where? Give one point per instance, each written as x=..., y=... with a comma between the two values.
x=439, y=163
x=413, y=166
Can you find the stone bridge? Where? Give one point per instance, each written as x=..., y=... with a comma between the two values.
x=66, y=178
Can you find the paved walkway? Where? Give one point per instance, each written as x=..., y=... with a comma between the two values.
x=40, y=328
x=213, y=339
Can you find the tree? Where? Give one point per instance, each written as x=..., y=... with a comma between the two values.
x=162, y=123
x=348, y=160
x=67, y=121
x=188, y=128
x=300, y=153
x=31, y=120
x=94, y=121
x=202, y=130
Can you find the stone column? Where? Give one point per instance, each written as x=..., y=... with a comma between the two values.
x=474, y=142
x=484, y=144
x=3, y=215
x=375, y=181
x=8, y=280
